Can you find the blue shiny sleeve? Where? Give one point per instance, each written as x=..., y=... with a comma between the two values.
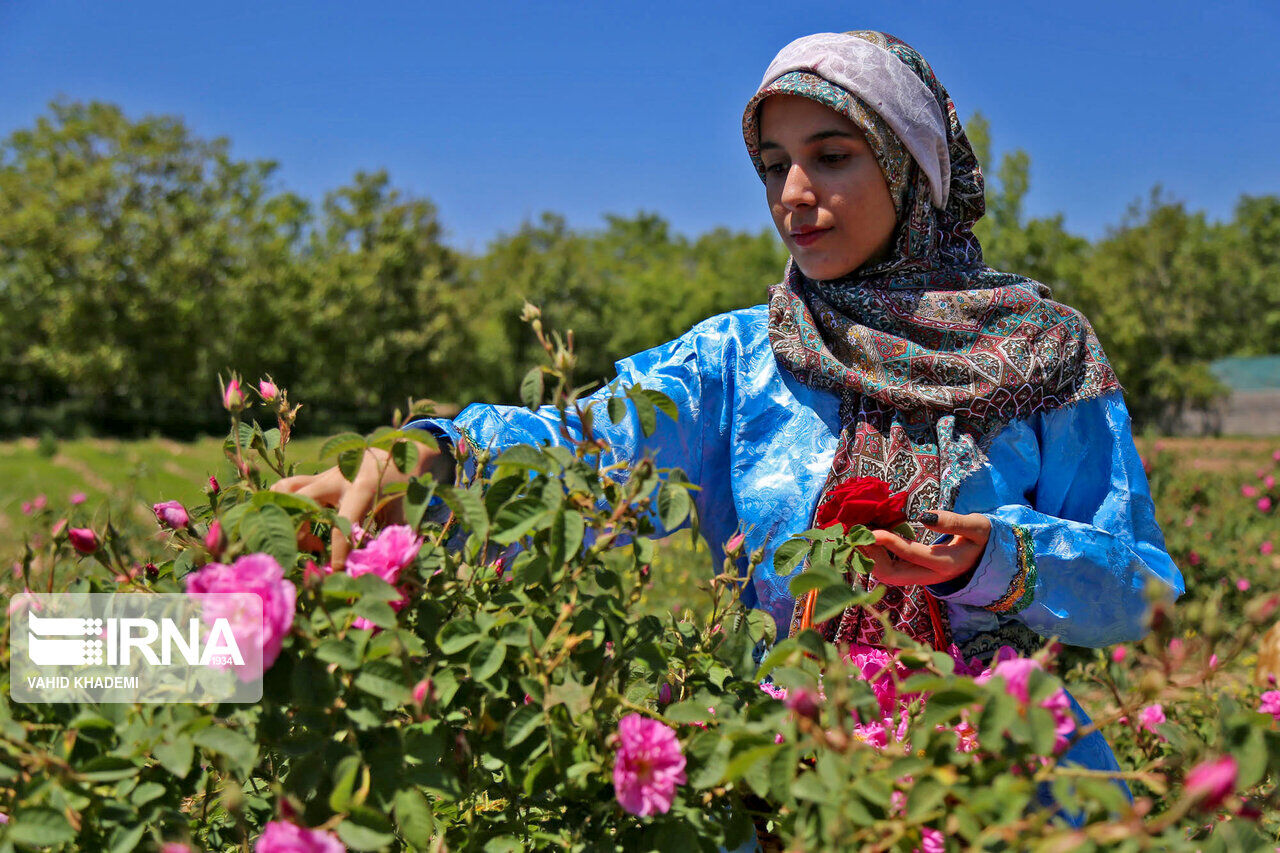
x=1073, y=556
x=689, y=370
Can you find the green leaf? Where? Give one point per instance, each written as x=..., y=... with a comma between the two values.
x=567, y=531
x=532, y=389
x=125, y=839
x=674, y=505
x=365, y=829
x=405, y=456
x=663, y=403
x=646, y=412
x=417, y=497
x=380, y=613
x=146, y=792
x=175, y=755
x=40, y=827
x=344, y=783
x=385, y=680
x=108, y=768
x=487, y=659
x=815, y=578
x=468, y=507
x=617, y=406
x=271, y=529
x=413, y=817
x=524, y=721
x=341, y=443
x=517, y=518
x=370, y=586
x=525, y=457
x=833, y=600
x=237, y=748
x=457, y=635
x=789, y=555
x=349, y=462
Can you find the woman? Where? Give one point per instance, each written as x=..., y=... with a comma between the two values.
x=890, y=350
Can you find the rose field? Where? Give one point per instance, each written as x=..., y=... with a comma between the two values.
x=517, y=664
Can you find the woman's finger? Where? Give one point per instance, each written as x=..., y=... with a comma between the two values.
x=293, y=484
x=971, y=525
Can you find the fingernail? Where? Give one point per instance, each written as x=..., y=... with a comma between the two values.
x=928, y=518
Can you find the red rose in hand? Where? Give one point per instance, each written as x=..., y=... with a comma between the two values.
x=866, y=501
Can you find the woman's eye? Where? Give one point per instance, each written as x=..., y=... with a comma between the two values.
x=775, y=169
x=833, y=158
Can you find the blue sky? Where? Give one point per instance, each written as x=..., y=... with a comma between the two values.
x=498, y=111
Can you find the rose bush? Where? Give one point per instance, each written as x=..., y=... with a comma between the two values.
x=484, y=678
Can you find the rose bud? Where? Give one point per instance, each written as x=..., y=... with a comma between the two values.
x=214, y=488
x=83, y=540
x=232, y=397
x=803, y=702
x=171, y=514
x=267, y=390
x=214, y=540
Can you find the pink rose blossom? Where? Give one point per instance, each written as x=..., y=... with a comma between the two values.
x=1150, y=717
x=774, y=690
x=214, y=488
x=78, y=498
x=1249, y=491
x=1211, y=781
x=267, y=389
x=879, y=669
x=648, y=766
x=931, y=841
x=1193, y=558
x=232, y=397
x=58, y=526
x=256, y=573
x=27, y=508
x=84, y=540
x=1242, y=585
x=872, y=734
x=281, y=837
x=1269, y=482
x=175, y=847
x=1270, y=703
x=1264, y=504
x=420, y=691
x=1266, y=548
x=171, y=514
x=386, y=555
x=1016, y=672
x=1213, y=661
x=40, y=502
x=1119, y=653
x=734, y=543
x=1275, y=456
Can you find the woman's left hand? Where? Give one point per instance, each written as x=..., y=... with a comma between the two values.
x=901, y=562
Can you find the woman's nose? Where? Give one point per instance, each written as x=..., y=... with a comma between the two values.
x=797, y=190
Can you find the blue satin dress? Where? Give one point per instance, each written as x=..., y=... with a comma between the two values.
x=1074, y=541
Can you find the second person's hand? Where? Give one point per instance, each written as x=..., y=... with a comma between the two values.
x=353, y=499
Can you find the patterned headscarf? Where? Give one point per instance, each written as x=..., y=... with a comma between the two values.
x=931, y=351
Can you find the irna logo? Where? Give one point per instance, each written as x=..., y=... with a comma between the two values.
x=115, y=641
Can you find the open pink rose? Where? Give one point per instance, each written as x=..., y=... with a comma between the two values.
x=1016, y=672
x=255, y=573
x=648, y=766
x=1150, y=717
x=279, y=836
x=1270, y=703
x=386, y=555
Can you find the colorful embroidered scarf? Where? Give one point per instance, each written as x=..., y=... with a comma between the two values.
x=931, y=351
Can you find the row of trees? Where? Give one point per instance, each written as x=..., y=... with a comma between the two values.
x=137, y=261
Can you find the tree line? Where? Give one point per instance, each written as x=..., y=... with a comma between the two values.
x=138, y=261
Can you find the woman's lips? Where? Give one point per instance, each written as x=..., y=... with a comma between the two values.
x=808, y=238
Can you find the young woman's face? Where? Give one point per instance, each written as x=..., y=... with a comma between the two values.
x=826, y=192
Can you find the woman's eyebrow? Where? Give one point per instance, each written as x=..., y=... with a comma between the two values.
x=817, y=137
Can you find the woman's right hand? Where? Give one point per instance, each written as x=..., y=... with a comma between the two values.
x=354, y=498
